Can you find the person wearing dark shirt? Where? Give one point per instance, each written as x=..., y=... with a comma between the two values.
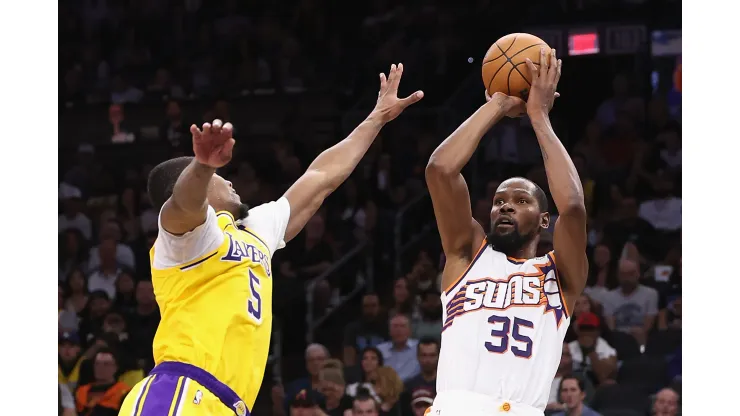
x=368, y=331
x=630, y=228
x=427, y=352
x=312, y=256
x=93, y=315
x=143, y=323
x=332, y=386
x=316, y=356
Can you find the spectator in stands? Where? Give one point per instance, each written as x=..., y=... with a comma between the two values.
x=66, y=401
x=403, y=302
x=70, y=358
x=427, y=353
x=105, y=275
x=77, y=294
x=73, y=253
x=565, y=369
x=68, y=320
x=332, y=386
x=174, y=130
x=389, y=387
x=429, y=324
x=368, y=331
x=628, y=226
x=302, y=405
x=632, y=307
x=664, y=211
x=92, y=320
x=312, y=256
x=584, y=304
x=125, y=287
x=400, y=352
x=124, y=256
x=105, y=394
x=316, y=356
x=363, y=405
x=372, y=359
x=591, y=353
x=128, y=214
x=607, y=112
x=120, y=131
x=572, y=393
x=143, y=320
x=602, y=275
x=666, y=403
x=421, y=400
x=73, y=217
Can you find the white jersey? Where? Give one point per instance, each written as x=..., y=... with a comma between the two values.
x=504, y=324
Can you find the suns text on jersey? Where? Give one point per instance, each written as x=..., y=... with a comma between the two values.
x=240, y=250
x=491, y=293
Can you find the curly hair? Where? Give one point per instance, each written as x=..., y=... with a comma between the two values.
x=388, y=384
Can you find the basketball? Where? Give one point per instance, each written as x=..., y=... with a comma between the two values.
x=505, y=68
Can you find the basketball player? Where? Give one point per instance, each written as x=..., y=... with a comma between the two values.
x=211, y=266
x=505, y=310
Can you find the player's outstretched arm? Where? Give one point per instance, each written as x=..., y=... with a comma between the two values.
x=187, y=207
x=334, y=165
x=460, y=233
x=569, y=239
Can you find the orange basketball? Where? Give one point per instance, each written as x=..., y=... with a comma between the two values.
x=504, y=66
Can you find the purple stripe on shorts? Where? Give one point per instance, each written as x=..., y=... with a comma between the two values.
x=143, y=390
x=161, y=395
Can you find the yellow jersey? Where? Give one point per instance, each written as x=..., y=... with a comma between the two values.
x=217, y=306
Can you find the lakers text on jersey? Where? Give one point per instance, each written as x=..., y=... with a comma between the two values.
x=504, y=324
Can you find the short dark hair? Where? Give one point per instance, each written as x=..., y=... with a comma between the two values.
x=427, y=341
x=162, y=179
x=363, y=396
x=539, y=195
x=579, y=380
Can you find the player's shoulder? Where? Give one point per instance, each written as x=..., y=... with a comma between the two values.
x=268, y=221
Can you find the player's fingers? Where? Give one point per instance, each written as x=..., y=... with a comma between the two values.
x=195, y=131
x=391, y=77
x=532, y=69
x=227, y=130
x=206, y=129
x=543, y=61
x=553, y=64
x=413, y=98
x=383, y=84
x=397, y=79
x=559, y=70
x=557, y=95
x=227, y=150
x=216, y=126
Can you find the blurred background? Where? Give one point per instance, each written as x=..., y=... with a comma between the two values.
x=295, y=77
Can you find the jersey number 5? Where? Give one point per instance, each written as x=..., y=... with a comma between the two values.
x=254, y=304
x=503, y=333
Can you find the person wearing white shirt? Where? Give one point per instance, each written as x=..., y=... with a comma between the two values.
x=591, y=353
x=663, y=212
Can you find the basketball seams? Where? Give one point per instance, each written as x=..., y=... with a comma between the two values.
x=503, y=52
x=510, y=59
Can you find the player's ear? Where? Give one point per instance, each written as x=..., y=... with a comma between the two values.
x=545, y=220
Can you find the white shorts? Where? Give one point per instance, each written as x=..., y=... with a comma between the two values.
x=465, y=403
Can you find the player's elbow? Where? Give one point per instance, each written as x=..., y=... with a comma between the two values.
x=437, y=169
x=574, y=208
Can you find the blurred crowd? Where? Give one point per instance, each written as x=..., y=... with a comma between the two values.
x=376, y=353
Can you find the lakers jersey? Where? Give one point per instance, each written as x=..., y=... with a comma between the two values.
x=504, y=324
x=214, y=289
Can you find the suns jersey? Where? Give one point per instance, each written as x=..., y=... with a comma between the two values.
x=504, y=324
x=214, y=290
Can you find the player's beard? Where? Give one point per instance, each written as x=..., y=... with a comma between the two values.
x=243, y=211
x=511, y=242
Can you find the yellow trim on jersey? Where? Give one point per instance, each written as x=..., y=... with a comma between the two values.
x=176, y=395
x=142, y=399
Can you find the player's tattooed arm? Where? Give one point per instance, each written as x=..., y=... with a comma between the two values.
x=187, y=207
x=569, y=239
x=334, y=165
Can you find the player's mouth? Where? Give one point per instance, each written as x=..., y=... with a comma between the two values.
x=505, y=223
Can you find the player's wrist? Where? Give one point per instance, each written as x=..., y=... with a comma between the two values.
x=538, y=115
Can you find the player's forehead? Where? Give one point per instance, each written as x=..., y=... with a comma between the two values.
x=515, y=185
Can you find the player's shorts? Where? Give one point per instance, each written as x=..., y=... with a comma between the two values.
x=465, y=403
x=179, y=389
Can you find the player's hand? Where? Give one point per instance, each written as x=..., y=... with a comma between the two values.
x=389, y=106
x=213, y=144
x=511, y=106
x=545, y=79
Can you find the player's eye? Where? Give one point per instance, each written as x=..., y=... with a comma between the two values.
x=522, y=201
x=498, y=202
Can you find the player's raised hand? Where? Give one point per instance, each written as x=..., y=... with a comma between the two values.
x=511, y=106
x=545, y=79
x=213, y=144
x=389, y=106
